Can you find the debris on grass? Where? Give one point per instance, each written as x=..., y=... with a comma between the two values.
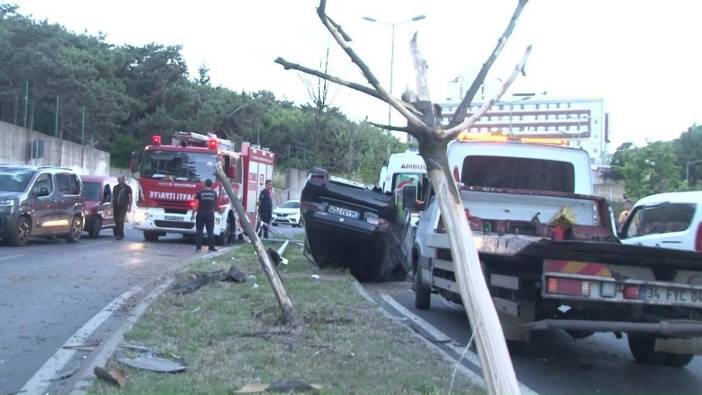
x=234, y=275
x=114, y=376
x=146, y=359
x=194, y=281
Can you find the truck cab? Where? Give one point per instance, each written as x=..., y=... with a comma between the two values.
x=170, y=175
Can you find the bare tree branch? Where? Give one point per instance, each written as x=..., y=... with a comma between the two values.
x=361, y=88
x=462, y=108
x=353, y=85
x=420, y=66
x=341, y=39
x=391, y=127
x=453, y=132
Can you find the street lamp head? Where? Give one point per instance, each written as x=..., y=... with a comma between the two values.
x=419, y=17
x=369, y=19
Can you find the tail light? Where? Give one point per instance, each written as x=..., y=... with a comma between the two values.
x=698, y=238
x=310, y=206
x=567, y=286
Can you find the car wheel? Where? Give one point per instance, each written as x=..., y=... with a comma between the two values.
x=224, y=236
x=76, y=229
x=643, y=349
x=678, y=360
x=23, y=234
x=422, y=293
x=95, y=230
x=151, y=236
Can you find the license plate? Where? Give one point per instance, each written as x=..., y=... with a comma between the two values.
x=175, y=218
x=344, y=211
x=652, y=293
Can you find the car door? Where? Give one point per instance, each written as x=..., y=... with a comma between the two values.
x=65, y=201
x=41, y=201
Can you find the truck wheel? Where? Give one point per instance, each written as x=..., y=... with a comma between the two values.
x=150, y=236
x=76, y=229
x=678, y=360
x=95, y=230
x=643, y=350
x=422, y=293
x=22, y=234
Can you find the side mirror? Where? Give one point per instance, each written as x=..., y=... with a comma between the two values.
x=409, y=198
x=231, y=171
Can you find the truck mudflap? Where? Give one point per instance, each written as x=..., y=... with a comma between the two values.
x=669, y=328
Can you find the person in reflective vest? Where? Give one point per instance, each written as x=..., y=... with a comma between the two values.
x=206, y=201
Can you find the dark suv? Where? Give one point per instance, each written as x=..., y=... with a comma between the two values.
x=39, y=201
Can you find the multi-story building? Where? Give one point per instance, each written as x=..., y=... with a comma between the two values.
x=581, y=123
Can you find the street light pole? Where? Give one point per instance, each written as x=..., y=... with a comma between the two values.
x=392, y=25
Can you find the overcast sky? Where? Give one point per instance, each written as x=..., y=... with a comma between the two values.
x=642, y=57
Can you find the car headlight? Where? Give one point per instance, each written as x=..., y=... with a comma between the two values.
x=7, y=205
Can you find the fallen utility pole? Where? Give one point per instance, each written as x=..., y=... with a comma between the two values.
x=286, y=306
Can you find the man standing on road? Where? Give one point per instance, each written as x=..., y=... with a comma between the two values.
x=206, y=200
x=265, y=207
x=121, y=205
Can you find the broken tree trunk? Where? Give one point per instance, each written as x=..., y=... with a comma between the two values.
x=423, y=123
x=286, y=306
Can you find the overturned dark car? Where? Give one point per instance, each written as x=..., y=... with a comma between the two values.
x=350, y=225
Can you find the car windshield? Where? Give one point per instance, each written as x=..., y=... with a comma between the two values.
x=14, y=179
x=290, y=204
x=178, y=166
x=92, y=191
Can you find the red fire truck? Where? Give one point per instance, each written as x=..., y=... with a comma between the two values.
x=171, y=175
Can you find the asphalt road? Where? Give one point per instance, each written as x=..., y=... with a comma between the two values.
x=555, y=364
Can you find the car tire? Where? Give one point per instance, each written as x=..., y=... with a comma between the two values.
x=76, y=229
x=151, y=236
x=643, y=350
x=422, y=293
x=94, y=232
x=224, y=236
x=23, y=234
x=678, y=360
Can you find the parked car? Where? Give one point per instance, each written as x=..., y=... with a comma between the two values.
x=287, y=213
x=97, y=197
x=39, y=201
x=667, y=220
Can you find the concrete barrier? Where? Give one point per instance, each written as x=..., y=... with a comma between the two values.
x=22, y=146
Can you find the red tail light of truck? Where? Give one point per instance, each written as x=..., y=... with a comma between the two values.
x=567, y=286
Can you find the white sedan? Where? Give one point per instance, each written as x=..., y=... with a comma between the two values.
x=287, y=213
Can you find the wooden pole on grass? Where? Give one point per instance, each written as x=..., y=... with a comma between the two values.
x=286, y=306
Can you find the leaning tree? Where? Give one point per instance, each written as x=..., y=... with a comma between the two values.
x=424, y=124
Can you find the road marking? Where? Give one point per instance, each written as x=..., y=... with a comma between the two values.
x=440, y=336
x=10, y=257
x=42, y=379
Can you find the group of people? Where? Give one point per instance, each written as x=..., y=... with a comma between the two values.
x=206, y=202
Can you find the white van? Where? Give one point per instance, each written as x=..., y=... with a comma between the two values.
x=668, y=220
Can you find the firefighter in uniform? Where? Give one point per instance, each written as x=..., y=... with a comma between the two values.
x=206, y=200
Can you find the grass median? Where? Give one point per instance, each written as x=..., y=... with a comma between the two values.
x=228, y=335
